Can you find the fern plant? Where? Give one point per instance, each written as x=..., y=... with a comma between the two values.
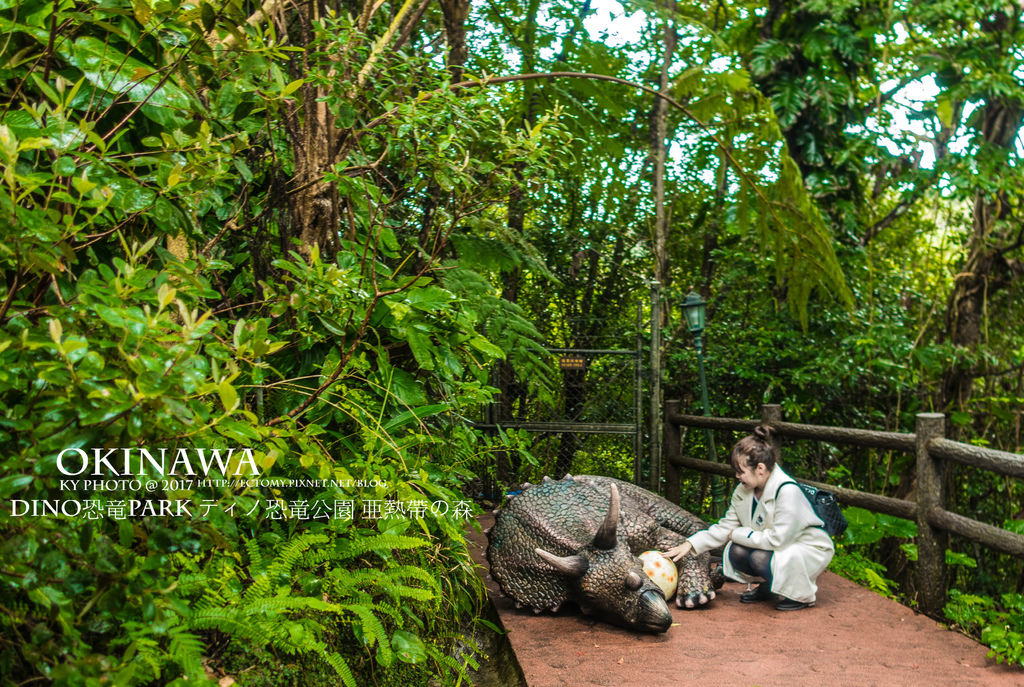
x=293, y=603
x=265, y=613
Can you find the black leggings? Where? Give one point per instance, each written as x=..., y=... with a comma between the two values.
x=757, y=562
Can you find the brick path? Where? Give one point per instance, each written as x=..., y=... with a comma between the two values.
x=852, y=637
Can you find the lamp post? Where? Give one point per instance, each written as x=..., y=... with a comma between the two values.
x=694, y=309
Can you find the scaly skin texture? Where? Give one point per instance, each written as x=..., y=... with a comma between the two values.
x=697, y=580
x=551, y=544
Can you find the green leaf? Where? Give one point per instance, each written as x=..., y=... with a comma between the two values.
x=960, y=418
x=56, y=330
x=487, y=347
x=429, y=299
x=243, y=110
x=863, y=526
x=408, y=647
x=404, y=387
x=165, y=295
x=13, y=483
x=110, y=316
x=83, y=185
x=228, y=395
x=239, y=431
x=64, y=166
x=416, y=413
x=331, y=325
x=138, y=199
x=422, y=347
x=955, y=558
x=237, y=335
x=491, y=626
x=242, y=168
x=209, y=17
x=292, y=87
x=111, y=70
x=896, y=527
x=85, y=536
x=346, y=116
x=125, y=533
x=124, y=676
x=944, y=110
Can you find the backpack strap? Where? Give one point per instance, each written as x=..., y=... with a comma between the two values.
x=782, y=485
x=813, y=509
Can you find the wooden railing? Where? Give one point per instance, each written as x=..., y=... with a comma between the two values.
x=932, y=449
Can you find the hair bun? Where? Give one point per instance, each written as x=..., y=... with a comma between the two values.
x=764, y=433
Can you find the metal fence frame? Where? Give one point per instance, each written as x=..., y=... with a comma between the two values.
x=634, y=428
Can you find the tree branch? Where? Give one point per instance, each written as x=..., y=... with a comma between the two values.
x=894, y=214
x=888, y=95
x=410, y=25
x=264, y=12
x=378, y=47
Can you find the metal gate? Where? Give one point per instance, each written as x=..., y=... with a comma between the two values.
x=593, y=423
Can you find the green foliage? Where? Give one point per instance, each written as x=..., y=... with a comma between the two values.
x=284, y=233
x=787, y=221
x=852, y=560
x=867, y=527
x=1000, y=623
x=158, y=295
x=855, y=566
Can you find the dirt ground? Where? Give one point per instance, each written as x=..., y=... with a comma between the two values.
x=852, y=637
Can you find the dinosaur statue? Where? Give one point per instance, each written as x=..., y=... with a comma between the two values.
x=577, y=539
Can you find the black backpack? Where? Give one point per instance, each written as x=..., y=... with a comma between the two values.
x=825, y=507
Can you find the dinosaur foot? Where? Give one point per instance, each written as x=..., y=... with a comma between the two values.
x=694, y=599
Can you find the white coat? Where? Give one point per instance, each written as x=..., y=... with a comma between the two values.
x=785, y=525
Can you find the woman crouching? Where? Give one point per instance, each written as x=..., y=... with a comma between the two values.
x=771, y=530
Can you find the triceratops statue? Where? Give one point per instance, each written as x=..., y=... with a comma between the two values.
x=577, y=539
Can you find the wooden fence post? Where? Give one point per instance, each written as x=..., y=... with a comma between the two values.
x=931, y=542
x=670, y=448
x=771, y=414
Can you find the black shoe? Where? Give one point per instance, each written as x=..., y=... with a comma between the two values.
x=763, y=592
x=790, y=605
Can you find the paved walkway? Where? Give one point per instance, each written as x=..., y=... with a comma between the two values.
x=853, y=637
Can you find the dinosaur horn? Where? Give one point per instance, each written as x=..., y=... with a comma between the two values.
x=606, y=535
x=573, y=566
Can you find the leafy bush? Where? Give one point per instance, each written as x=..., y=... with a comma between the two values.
x=866, y=528
x=855, y=566
x=1000, y=624
x=157, y=295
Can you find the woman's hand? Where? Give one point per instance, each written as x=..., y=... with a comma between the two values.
x=676, y=553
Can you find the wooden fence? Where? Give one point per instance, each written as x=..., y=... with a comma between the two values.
x=932, y=450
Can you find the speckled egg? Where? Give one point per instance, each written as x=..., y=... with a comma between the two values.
x=662, y=570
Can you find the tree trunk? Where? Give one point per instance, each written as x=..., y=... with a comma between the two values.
x=713, y=227
x=1001, y=122
x=659, y=153
x=455, y=14
x=516, y=222
x=314, y=208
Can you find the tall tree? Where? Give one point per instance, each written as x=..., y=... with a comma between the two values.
x=659, y=149
x=988, y=62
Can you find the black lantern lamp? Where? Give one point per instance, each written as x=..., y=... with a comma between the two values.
x=694, y=309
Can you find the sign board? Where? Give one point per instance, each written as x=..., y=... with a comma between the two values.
x=572, y=362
